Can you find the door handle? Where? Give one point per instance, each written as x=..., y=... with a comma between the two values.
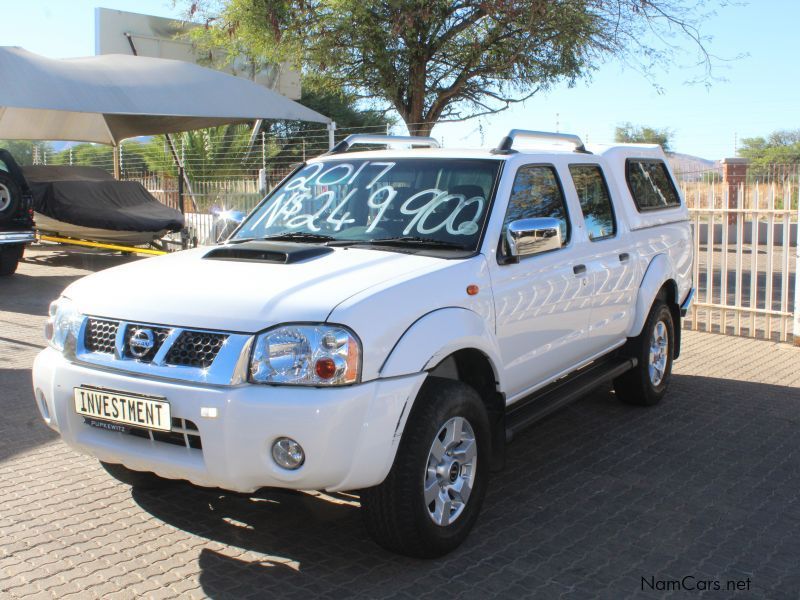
x=624, y=257
x=579, y=269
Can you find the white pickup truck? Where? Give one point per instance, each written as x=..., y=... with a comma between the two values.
x=383, y=321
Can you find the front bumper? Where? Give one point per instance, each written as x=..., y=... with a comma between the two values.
x=349, y=434
x=17, y=237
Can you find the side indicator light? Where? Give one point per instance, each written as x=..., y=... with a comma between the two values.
x=472, y=290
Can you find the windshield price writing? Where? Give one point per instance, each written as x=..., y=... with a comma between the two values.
x=330, y=197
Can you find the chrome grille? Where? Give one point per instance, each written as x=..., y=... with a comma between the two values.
x=199, y=356
x=101, y=335
x=159, y=333
x=195, y=349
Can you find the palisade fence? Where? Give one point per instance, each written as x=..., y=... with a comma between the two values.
x=745, y=235
x=746, y=255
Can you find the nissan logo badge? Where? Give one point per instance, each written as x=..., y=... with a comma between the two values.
x=141, y=342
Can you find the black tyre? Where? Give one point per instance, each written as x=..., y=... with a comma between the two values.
x=137, y=479
x=431, y=498
x=646, y=384
x=10, y=255
x=10, y=197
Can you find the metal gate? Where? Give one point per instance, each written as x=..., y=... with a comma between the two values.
x=746, y=256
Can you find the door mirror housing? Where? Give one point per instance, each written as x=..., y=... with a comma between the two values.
x=525, y=237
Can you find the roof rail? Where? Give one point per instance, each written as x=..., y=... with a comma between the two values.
x=365, y=138
x=505, y=145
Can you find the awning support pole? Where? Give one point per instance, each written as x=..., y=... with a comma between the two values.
x=331, y=131
x=181, y=204
x=117, y=170
x=181, y=171
x=182, y=207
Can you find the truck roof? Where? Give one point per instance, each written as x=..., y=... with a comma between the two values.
x=545, y=144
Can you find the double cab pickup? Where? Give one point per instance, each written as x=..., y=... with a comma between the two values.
x=384, y=321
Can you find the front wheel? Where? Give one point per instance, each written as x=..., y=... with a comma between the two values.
x=10, y=255
x=646, y=384
x=431, y=498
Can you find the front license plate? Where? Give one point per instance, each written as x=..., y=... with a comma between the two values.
x=116, y=407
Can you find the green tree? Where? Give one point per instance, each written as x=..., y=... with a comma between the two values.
x=339, y=106
x=778, y=148
x=215, y=153
x=23, y=150
x=627, y=133
x=101, y=156
x=85, y=155
x=445, y=60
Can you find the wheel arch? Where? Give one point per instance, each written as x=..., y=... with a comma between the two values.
x=658, y=281
x=470, y=355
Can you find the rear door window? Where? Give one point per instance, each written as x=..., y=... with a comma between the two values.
x=598, y=213
x=650, y=184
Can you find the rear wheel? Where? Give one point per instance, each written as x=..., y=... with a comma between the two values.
x=136, y=479
x=431, y=498
x=646, y=384
x=10, y=256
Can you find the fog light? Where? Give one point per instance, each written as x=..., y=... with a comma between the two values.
x=288, y=453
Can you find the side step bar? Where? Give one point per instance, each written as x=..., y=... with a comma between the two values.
x=541, y=403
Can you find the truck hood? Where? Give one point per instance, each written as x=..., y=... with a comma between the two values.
x=187, y=290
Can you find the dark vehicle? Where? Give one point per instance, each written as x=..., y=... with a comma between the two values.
x=16, y=214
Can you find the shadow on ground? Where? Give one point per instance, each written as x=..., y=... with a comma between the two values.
x=31, y=289
x=21, y=426
x=77, y=258
x=592, y=499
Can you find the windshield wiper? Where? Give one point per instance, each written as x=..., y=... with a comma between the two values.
x=415, y=241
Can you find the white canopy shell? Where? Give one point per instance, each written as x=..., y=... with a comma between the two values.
x=109, y=98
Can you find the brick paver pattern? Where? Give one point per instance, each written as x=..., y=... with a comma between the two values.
x=593, y=499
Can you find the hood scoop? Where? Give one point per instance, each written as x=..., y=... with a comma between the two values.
x=263, y=251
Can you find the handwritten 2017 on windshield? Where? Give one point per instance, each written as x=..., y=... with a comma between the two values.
x=286, y=209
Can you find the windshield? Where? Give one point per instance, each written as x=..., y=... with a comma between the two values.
x=424, y=202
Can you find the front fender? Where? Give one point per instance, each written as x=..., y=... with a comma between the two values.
x=658, y=272
x=436, y=335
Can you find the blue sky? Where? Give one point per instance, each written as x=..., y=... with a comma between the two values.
x=761, y=92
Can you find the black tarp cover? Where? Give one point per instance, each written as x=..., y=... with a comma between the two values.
x=91, y=197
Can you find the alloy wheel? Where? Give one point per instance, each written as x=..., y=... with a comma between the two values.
x=659, y=347
x=450, y=471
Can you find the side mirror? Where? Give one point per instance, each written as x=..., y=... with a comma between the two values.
x=532, y=236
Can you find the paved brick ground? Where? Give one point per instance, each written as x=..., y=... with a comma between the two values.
x=594, y=498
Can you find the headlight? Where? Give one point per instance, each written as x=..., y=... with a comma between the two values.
x=63, y=324
x=302, y=354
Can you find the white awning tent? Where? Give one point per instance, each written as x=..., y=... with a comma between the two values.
x=109, y=98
